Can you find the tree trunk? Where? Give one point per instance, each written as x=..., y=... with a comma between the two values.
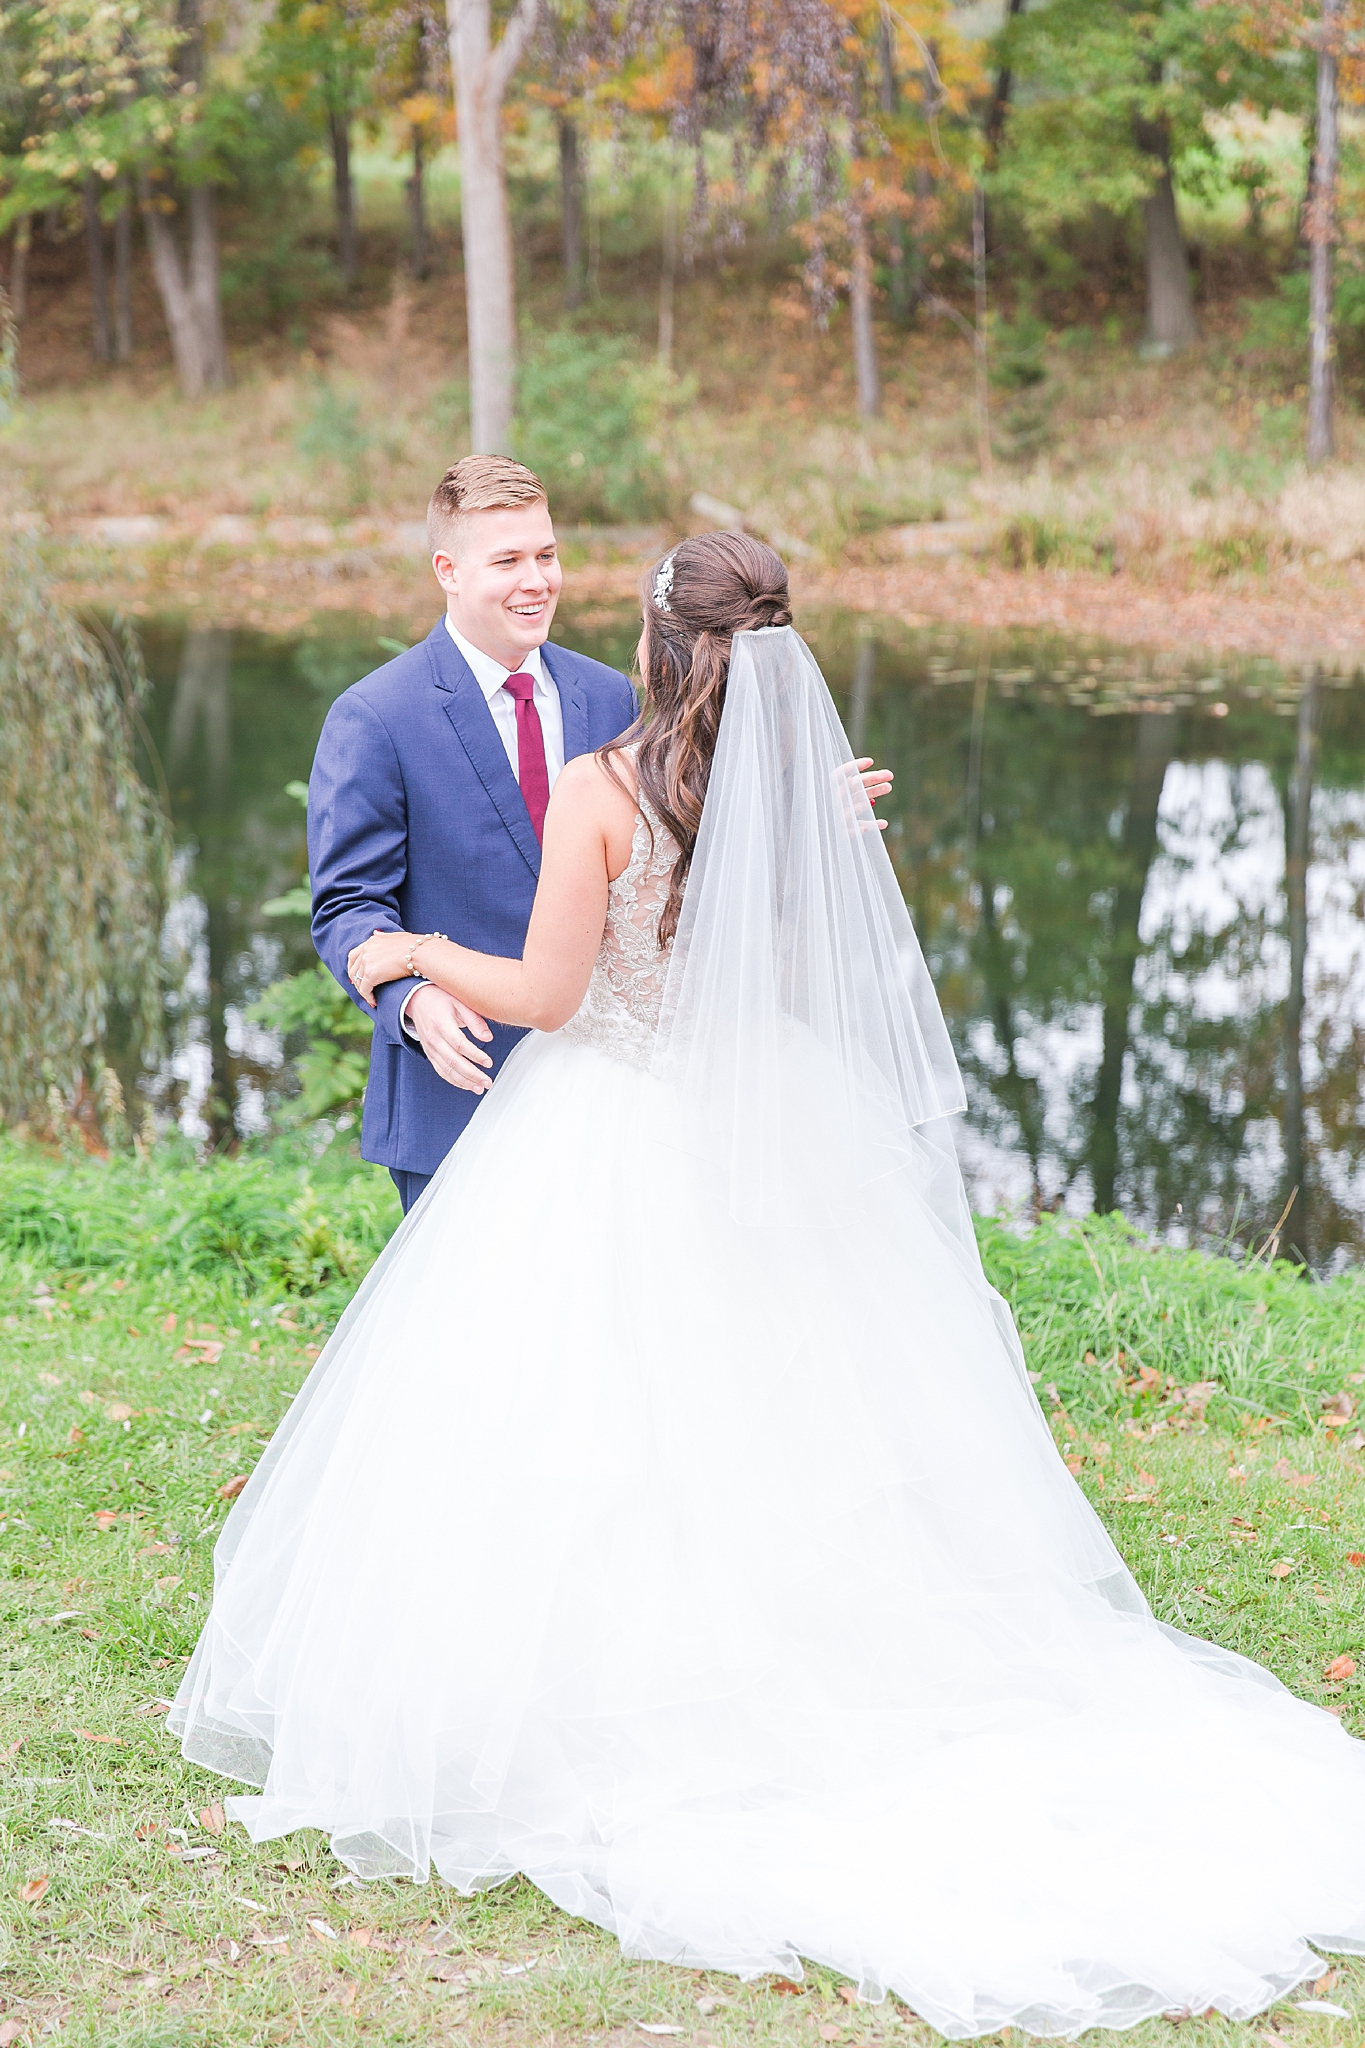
x=347, y=247
x=1155, y=745
x=1171, y=324
x=860, y=306
x=417, y=209
x=900, y=293
x=668, y=270
x=99, y=275
x=204, y=284
x=1000, y=95
x=189, y=294
x=1298, y=851
x=123, y=278
x=482, y=73
x=1320, y=229
x=571, y=211
x=18, y=269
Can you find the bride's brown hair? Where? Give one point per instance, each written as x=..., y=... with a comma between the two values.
x=695, y=601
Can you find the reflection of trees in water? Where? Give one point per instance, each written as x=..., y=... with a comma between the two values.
x=237, y=716
x=1149, y=1005
x=201, y=723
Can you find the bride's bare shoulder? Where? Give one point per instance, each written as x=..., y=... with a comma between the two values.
x=610, y=785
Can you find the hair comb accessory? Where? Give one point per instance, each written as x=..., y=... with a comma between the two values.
x=663, y=583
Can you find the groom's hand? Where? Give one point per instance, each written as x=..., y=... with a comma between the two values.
x=435, y=1018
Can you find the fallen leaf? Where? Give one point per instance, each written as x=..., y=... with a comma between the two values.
x=154, y=1550
x=234, y=1486
x=148, y=1828
x=168, y=1327
x=191, y=1855
x=105, y=1519
x=657, y=2027
x=75, y=1435
x=200, y=1350
x=1142, y=1498
x=72, y=1827
x=49, y=1379
x=1326, y=1984
x=269, y=1940
x=445, y=1971
x=1339, y=1670
x=226, y=1946
x=10, y=2030
x=360, y=1937
x=1284, y=1470
x=153, y=1707
x=168, y=1584
x=34, y=1890
x=213, y=1819
x=829, y=2032
x=1281, y=1570
x=1337, y=2012
x=347, y=1997
x=92, y=1635
x=1074, y=1465
x=786, y=1988
x=849, y=1993
x=89, y=1735
x=118, y=1411
x=323, y=1931
x=1355, y=1557
x=1339, y=1405
x=290, y=1863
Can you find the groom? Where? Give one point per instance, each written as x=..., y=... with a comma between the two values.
x=428, y=794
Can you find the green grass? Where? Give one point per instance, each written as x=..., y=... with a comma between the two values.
x=1238, y=1508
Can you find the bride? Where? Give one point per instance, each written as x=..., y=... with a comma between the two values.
x=671, y=1518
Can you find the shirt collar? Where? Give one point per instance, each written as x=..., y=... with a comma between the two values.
x=490, y=675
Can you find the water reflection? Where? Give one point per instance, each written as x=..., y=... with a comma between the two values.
x=1141, y=894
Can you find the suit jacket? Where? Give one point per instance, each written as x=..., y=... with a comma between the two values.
x=416, y=823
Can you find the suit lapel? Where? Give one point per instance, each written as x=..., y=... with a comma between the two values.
x=467, y=709
x=573, y=702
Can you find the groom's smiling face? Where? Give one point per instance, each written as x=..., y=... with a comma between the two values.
x=502, y=579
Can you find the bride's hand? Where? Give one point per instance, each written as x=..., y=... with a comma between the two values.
x=380, y=959
x=876, y=782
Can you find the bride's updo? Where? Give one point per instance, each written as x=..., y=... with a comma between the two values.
x=695, y=600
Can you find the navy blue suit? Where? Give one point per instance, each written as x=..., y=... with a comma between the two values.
x=416, y=823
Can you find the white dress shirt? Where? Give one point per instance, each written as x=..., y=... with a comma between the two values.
x=490, y=675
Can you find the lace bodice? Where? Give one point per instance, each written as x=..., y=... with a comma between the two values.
x=620, y=1012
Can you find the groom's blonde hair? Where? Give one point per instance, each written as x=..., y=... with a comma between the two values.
x=478, y=483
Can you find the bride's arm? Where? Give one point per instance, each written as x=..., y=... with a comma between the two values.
x=589, y=819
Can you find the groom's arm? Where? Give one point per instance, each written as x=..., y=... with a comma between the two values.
x=358, y=848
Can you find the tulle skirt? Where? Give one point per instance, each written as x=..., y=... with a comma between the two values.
x=724, y=1580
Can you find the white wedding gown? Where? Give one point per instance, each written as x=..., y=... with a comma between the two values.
x=722, y=1577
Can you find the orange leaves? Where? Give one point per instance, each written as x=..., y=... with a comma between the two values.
x=1281, y=1570
x=213, y=1819
x=1339, y=1670
x=1284, y=1470
x=105, y=1518
x=35, y=1890
x=201, y=1350
x=234, y=1486
x=168, y=1327
x=1355, y=1557
x=89, y=1735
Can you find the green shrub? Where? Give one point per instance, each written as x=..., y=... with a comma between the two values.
x=590, y=418
x=335, y=1056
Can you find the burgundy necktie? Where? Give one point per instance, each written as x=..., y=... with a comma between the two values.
x=532, y=773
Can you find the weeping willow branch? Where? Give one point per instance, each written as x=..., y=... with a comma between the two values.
x=83, y=854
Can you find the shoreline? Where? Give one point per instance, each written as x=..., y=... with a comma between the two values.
x=281, y=582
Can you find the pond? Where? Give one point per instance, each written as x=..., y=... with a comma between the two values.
x=1139, y=883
